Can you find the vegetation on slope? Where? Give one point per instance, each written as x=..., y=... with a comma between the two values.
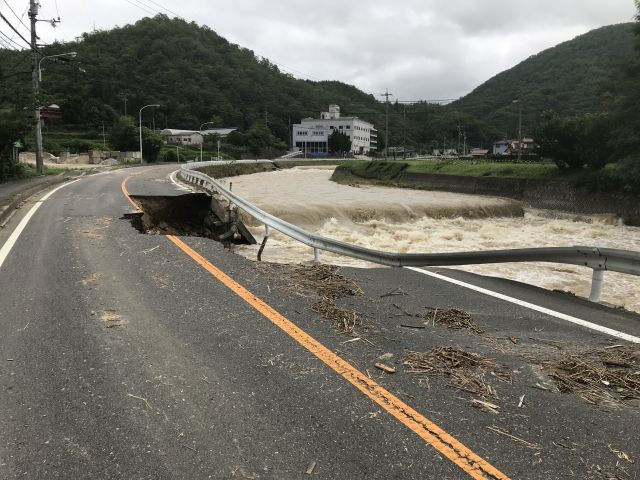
x=572, y=78
x=197, y=76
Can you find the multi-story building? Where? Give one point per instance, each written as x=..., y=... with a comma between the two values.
x=312, y=134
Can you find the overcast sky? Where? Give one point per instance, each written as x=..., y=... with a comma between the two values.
x=418, y=49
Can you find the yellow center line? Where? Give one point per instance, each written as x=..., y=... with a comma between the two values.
x=446, y=444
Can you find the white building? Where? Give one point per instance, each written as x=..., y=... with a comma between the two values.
x=191, y=137
x=312, y=134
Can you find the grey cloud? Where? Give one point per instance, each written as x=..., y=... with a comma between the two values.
x=416, y=48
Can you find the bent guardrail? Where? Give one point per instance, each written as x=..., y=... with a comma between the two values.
x=597, y=258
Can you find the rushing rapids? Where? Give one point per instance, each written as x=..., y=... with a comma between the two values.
x=403, y=220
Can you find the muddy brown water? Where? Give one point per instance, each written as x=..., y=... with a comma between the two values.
x=401, y=220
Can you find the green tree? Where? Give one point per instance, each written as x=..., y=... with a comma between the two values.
x=151, y=144
x=170, y=156
x=124, y=135
x=573, y=142
x=12, y=129
x=339, y=143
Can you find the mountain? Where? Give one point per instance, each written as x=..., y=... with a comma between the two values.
x=197, y=76
x=571, y=78
x=193, y=73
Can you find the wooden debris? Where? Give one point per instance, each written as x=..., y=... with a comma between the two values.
x=490, y=407
x=604, y=376
x=330, y=285
x=385, y=368
x=620, y=454
x=521, y=402
x=502, y=431
x=311, y=468
x=452, y=318
x=464, y=370
x=140, y=398
x=351, y=340
x=395, y=291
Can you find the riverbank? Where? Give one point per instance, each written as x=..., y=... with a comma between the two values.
x=569, y=195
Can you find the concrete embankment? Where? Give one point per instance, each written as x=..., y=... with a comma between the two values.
x=542, y=194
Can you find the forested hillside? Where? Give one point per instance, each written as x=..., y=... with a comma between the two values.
x=197, y=76
x=572, y=78
x=194, y=74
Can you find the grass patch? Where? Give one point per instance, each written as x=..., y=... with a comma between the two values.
x=469, y=168
x=29, y=171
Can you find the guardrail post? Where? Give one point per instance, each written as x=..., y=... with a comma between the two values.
x=264, y=242
x=596, y=285
x=316, y=255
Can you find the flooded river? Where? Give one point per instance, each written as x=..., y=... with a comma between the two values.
x=402, y=220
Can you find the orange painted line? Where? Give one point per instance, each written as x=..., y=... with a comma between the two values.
x=125, y=192
x=447, y=445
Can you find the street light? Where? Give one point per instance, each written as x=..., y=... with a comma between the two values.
x=200, y=130
x=36, y=87
x=68, y=54
x=140, y=123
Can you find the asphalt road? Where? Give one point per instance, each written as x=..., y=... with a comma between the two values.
x=122, y=356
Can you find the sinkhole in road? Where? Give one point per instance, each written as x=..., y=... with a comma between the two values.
x=192, y=215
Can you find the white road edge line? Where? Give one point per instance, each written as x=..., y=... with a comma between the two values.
x=172, y=177
x=13, y=238
x=537, y=308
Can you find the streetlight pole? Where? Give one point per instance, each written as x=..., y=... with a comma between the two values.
x=140, y=124
x=68, y=54
x=201, y=143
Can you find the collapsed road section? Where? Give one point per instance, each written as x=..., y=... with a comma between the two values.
x=193, y=214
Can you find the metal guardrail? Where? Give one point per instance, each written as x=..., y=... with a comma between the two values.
x=597, y=258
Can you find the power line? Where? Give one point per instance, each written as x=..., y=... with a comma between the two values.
x=165, y=8
x=14, y=29
x=5, y=44
x=10, y=40
x=16, y=15
x=141, y=8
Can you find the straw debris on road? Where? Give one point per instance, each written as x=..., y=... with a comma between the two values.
x=327, y=281
x=452, y=318
x=464, y=370
x=606, y=376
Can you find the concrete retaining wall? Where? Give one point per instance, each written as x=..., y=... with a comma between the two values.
x=544, y=194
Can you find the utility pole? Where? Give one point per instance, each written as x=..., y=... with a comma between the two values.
x=519, y=102
x=404, y=131
x=386, y=130
x=464, y=149
x=104, y=138
x=33, y=14
x=519, y=131
x=459, y=136
x=124, y=97
x=266, y=119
